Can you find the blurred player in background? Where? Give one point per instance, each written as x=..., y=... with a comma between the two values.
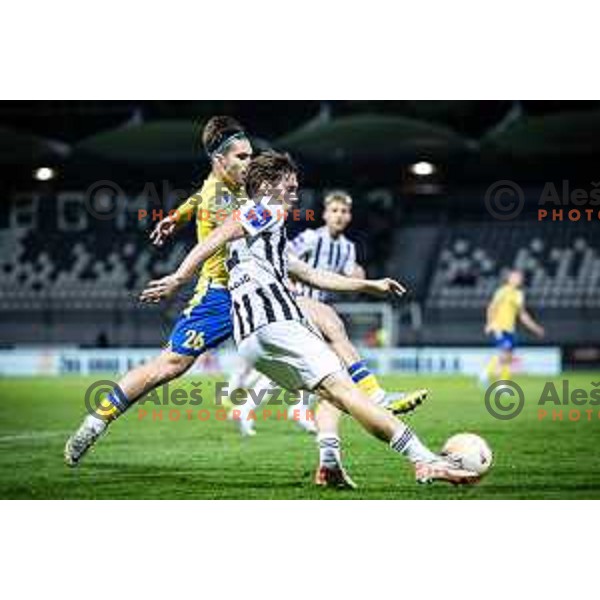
x=205, y=322
x=327, y=247
x=506, y=307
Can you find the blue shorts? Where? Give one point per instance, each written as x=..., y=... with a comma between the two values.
x=504, y=340
x=203, y=324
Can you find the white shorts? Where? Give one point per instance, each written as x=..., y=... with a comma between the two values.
x=290, y=354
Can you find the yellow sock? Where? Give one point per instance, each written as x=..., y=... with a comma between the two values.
x=366, y=381
x=491, y=367
x=107, y=410
x=505, y=372
x=370, y=386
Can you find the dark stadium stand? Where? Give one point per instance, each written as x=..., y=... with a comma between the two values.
x=75, y=286
x=461, y=263
x=561, y=262
x=87, y=269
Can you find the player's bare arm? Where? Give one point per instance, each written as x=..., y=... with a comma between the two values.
x=159, y=289
x=166, y=227
x=326, y=280
x=531, y=324
x=490, y=315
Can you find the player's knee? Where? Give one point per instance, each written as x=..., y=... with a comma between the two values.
x=337, y=388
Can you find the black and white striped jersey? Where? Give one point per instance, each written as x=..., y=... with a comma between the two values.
x=322, y=251
x=258, y=272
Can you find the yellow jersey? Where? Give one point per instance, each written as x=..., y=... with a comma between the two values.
x=211, y=204
x=507, y=302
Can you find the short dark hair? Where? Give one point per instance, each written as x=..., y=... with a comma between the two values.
x=269, y=166
x=215, y=132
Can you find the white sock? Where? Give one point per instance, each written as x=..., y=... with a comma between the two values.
x=248, y=406
x=329, y=450
x=379, y=397
x=236, y=381
x=406, y=442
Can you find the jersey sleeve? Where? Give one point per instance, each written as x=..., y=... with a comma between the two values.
x=520, y=299
x=185, y=212
x=498, y=295
x=350, y=263
x=257, y=218
x=303, y=244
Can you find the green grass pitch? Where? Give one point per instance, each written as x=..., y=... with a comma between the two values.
x=193, y=459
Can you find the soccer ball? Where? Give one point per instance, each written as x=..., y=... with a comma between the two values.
x=471, y=451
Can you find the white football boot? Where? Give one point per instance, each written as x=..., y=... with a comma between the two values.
x=83, y=439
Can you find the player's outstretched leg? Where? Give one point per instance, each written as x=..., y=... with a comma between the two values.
x=333, y=329
x=398, y=403
x=339, y=389
x=402, y=403
x=135, y=384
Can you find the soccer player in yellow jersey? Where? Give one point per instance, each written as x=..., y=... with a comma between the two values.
x=206, y=321
x=506, y=307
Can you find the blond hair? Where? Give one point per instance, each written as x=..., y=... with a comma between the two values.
x=338, y=196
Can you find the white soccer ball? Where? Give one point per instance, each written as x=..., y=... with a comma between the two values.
x=471, y=451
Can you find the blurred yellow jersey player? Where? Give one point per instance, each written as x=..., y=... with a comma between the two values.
x=505, y=309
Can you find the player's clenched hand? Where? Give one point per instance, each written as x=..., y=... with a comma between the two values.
x=381, y=287
x=159, y=289
x=163, y=230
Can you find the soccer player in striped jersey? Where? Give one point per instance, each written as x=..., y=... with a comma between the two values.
x=327, y=247
x=270, y=329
